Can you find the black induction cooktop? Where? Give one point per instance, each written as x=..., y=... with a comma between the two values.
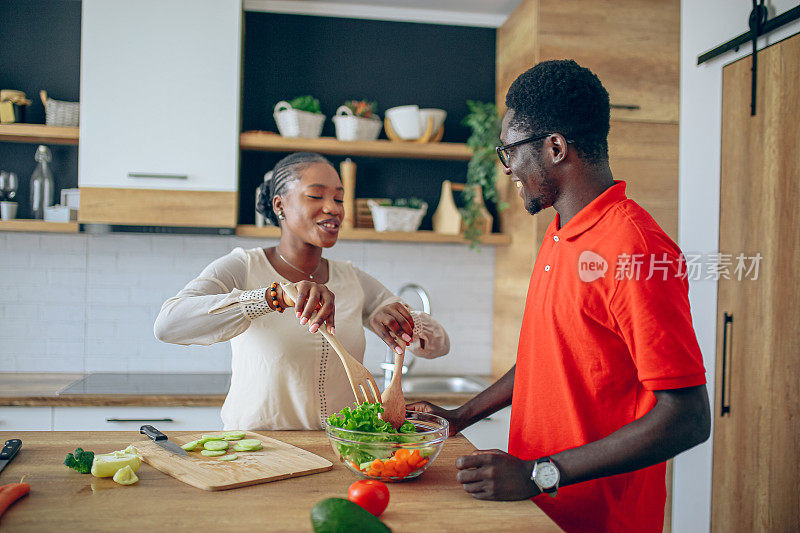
x=150, y=383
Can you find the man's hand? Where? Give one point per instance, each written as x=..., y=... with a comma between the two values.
x=452, y=416
x=496, y=475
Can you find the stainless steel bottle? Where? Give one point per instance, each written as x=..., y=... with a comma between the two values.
x=42, y=186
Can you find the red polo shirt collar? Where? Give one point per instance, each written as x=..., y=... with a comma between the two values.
x=589, y=215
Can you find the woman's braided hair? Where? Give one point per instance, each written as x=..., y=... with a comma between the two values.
x=286, y=171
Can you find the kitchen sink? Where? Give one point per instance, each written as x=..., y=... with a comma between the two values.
x=413, y=384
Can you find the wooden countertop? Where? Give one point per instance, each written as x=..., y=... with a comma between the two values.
x=63, y=500
x=34, y=389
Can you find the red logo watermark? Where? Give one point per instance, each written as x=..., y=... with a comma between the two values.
x=591, y=266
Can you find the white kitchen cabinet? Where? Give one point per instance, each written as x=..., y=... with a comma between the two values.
x=160, y=93
x=26, y=418
x=132, y=418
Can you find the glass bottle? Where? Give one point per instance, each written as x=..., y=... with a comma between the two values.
x=42, y=186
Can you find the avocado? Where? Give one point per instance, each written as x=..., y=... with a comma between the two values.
x=337, y=515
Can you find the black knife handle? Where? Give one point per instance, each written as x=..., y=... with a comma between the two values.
x=152, y=432
x=10, y=449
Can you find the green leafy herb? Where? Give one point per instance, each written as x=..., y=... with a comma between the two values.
x=306, y=103
x=80, y=460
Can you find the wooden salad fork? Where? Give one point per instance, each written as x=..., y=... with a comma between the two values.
x=394, y=404
x=363, y=384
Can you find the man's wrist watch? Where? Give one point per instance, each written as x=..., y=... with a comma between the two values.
x=546, y=476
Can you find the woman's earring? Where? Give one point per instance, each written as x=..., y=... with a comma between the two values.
x=281, y=216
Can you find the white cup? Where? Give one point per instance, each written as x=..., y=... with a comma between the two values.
x=405, y=121
x=8, y=210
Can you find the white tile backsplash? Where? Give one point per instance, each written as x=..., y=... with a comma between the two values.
x=86, y=303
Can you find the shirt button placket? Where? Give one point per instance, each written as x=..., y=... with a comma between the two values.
x=547, y=267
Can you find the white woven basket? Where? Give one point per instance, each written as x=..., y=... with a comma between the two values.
x=58, y=113
x=295, y=123
x=386, y=218
x=352, y=128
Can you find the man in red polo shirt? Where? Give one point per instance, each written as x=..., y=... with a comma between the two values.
x=609, y=381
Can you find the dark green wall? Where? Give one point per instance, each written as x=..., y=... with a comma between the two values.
x=393, y=63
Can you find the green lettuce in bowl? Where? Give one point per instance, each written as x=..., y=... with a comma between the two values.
x=373, y=449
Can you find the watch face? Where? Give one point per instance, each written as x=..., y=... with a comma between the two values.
x=547, y=475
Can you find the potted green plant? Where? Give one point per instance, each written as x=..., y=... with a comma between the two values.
x=484, y=121
x=402, y=214
x=356, y=121
x=300, y=117
x=361, y=108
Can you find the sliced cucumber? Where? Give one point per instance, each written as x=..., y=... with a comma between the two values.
x=427, y=451
x=207, y=438
x=216, y=445
x=231, y=457
x=191, y=446
x=233, y=435
x=212, y=453
x=248, y=445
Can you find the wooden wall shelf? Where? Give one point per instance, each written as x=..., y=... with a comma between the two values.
x=271, y=142
x=39, y=226
x=38, y=133
x=271, y=232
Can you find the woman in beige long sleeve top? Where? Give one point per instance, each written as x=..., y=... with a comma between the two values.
x=284, y=374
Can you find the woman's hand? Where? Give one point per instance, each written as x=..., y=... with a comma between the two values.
x=314, y=304
x=393, y=323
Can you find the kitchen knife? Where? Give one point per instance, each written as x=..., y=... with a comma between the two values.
x=162, y=440
x=10, y=449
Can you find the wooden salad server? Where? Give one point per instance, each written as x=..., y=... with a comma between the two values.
x=394, y=404
x=363, y=384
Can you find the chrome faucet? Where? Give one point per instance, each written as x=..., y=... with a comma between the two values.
x=388, y=364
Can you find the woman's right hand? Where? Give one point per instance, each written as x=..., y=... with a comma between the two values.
x=452, y=416
x=315, y=304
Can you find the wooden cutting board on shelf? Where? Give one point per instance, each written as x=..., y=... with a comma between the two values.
x=275, y=461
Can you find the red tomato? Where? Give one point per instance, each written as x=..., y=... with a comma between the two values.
x=371, y=494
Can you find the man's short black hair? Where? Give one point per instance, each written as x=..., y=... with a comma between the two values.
x=563, y=97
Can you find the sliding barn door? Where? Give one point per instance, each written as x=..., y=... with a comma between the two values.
x=756, y=468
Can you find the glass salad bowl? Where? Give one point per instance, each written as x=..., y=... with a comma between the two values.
x=391, y=456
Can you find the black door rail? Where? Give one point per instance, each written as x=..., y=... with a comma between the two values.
x=759, y=25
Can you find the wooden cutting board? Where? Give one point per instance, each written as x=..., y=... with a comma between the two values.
x=276, y=460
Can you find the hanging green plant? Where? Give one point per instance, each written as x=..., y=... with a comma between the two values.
x=484, y=121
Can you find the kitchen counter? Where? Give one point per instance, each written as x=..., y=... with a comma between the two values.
x=24, y=389
x=63, y=500
x=29, y=389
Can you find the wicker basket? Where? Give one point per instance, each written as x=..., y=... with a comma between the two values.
x=352, y=128
x=58, y=113
x=295, y=123
x=388, y=218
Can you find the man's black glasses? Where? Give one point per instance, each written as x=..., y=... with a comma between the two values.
x=502, y=151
